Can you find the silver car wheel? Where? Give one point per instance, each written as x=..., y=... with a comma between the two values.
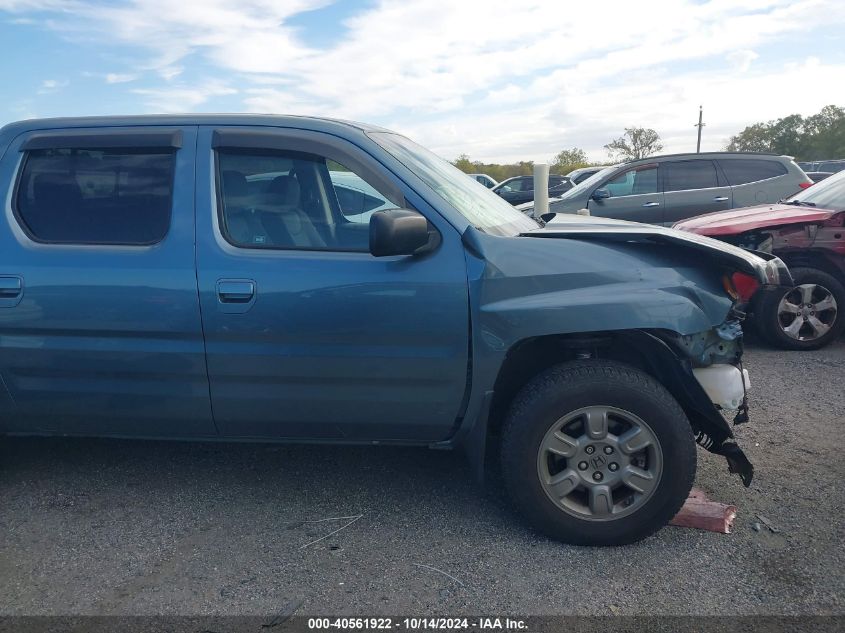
x=807, y=312
x=600, y=463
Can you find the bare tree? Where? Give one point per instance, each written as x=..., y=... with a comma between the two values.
x=636, y=143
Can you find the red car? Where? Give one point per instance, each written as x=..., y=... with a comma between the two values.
x=807, y=231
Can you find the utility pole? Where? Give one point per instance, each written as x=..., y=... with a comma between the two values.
x=699, y=125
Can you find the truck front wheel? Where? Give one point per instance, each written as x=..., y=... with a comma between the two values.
x=597, y=453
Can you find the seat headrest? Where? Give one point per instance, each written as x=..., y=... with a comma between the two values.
x=234, y=184
x=285, y=189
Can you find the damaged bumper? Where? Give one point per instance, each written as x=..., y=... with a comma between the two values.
x=704, y=394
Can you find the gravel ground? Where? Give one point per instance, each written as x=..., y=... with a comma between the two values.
x=109, y=527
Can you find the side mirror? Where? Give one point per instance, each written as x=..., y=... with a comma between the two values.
x=397, y=232
x=600, y=194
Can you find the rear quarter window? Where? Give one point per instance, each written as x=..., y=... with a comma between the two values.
x=96, y=196
x=740, y=171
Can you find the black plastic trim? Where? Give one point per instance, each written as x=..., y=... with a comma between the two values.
x=170, y=139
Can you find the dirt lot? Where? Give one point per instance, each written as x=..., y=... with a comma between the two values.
x=107, y=527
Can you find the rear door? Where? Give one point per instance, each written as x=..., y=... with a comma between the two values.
x=307, y=334
x=101, y=331
x=634, y=196
x=692, y=187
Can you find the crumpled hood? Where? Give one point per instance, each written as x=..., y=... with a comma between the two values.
x=768, y=269
x=736, y=221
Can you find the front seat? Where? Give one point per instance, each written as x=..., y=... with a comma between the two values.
x=286, y=223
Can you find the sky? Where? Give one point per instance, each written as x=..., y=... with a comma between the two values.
x=498, y=80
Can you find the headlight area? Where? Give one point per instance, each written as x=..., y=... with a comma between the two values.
x=704, y=372
x=716, y=359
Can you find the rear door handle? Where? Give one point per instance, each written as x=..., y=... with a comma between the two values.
x=651, y=204
x=235, y=290
x=721, y=199
x=11, y=290
x=10, y=287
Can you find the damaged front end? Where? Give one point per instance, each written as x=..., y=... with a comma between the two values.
x=704, y=372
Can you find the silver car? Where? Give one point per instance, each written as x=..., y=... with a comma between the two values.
x=665, y=189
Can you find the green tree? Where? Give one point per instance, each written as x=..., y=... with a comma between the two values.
x=636, y=143
x=816, y=137
x=754, y=138
x=567, y=160
x=463, y=163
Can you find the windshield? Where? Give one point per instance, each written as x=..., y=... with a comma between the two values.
x=827, y=194
x=480, y=206
x=576, y=191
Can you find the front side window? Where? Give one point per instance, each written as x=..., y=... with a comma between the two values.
x=689, y=174
x=96, y=196
x=633, y=182
x=294, y=200
x=740, y=171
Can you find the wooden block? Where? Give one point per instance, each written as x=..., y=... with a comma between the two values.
x=700, y=512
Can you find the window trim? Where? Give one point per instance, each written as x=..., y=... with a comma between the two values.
x=167, y=139
x=27, y=231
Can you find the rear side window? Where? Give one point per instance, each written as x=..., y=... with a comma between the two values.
x=96, y=196
x=743, y=170
x=689, y=174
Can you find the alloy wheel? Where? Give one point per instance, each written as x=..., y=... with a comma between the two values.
x=600, y=463
x=807, y=312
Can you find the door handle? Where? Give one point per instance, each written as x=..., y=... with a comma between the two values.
x=721, y=198
x=235, y=290
x=10, y=287
x=651, y=204
x=11, y=291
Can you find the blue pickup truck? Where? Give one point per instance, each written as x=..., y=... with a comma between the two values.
x=223, y=278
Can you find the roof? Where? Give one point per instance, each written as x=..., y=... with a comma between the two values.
x=706, y=154
x=315, y=123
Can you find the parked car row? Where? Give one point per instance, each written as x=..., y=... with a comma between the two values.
x=830, y=166
x=520, y=189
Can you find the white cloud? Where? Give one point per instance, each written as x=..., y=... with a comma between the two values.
x=742, y=59
x=182, y=98
x=511, y=81
x=120, y=78
x=49, y=86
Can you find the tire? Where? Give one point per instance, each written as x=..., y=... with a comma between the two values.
x=574, y=391
x=773, y=319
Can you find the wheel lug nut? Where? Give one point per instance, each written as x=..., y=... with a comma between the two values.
x=613, y=466
x=583, y=465
x=598, y=476
x=590, y=450
x=608, y=450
